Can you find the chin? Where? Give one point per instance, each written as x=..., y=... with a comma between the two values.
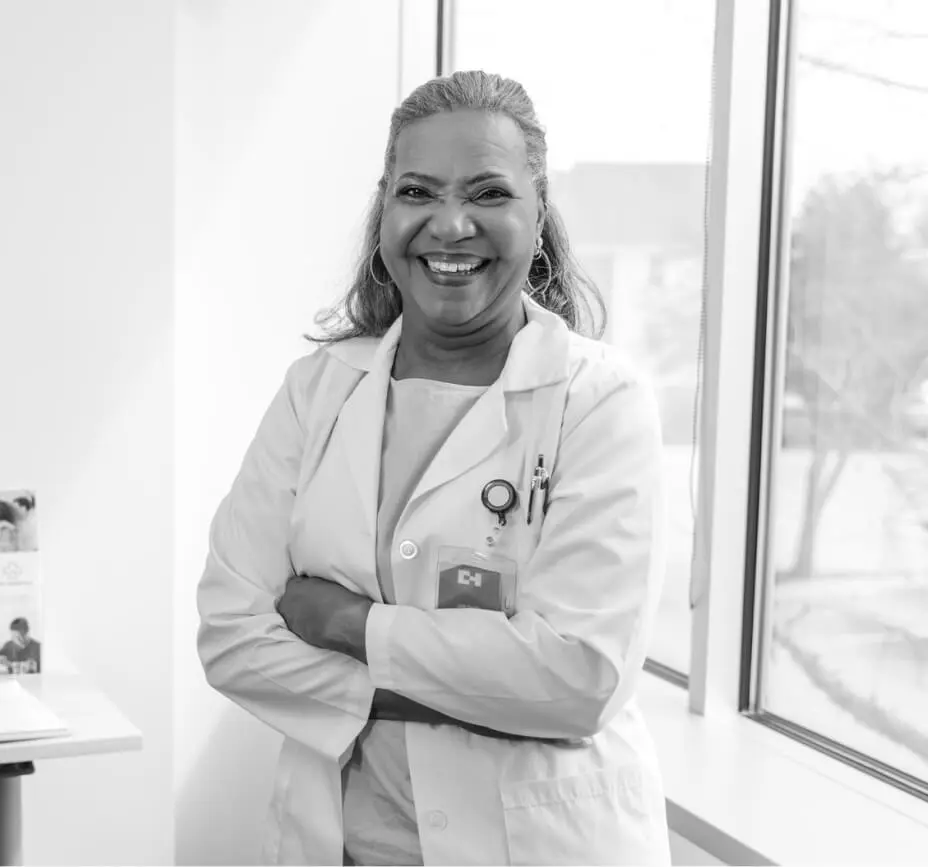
x=452, y=314
x=448, y=304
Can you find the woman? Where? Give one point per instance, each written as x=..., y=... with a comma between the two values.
x=453, y=659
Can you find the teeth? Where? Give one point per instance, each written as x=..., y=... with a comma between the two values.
x=451, y=267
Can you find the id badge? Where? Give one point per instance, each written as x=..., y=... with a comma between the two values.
x=476, y=579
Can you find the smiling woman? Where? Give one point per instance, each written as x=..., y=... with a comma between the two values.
x=454, y=675
x=459, y=245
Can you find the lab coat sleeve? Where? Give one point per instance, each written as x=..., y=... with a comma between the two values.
x=568, y=660
x=318, y=697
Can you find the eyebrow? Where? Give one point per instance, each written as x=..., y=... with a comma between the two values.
x=468, y=182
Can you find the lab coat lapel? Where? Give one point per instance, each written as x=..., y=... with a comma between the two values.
x=538, y=357
x=360, y=426
x=474, y=439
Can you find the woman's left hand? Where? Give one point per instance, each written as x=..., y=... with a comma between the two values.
x=325, y=614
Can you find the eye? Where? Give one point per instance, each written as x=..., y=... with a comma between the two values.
x=494, y=194
x=412, y=192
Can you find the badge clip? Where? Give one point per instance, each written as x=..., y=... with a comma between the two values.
x=499, y=497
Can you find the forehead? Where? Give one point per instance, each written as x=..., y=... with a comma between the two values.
x=460, y=143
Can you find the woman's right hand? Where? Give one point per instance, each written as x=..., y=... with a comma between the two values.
x=393, y=706
x=389, y=705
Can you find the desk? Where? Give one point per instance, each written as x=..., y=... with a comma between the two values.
x=95, y=726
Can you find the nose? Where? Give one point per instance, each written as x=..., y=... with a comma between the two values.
x=450, y=222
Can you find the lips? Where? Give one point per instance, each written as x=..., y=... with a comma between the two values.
x=443, y=275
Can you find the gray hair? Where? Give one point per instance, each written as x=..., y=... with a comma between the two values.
x=369, y=307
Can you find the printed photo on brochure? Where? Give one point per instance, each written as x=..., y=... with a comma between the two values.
x=20, y=590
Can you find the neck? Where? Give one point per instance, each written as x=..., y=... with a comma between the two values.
x=473, y=354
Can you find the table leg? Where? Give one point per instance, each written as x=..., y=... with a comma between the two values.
x=11, y=812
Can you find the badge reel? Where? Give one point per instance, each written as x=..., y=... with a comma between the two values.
x=471, y=578
x=498, y=497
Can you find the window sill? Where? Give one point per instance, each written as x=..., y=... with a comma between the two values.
x=748, y=795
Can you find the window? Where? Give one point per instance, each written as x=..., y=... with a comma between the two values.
x=624, y=89
x=844, y=565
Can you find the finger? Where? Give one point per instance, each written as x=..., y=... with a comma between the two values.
x=300, y=579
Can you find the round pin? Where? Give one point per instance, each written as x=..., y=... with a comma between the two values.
x=499, y=496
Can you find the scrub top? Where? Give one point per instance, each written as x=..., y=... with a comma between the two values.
x=380, y=823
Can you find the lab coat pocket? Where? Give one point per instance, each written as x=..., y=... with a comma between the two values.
x=601, y=817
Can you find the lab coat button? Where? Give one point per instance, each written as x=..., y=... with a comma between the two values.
x=408, y=550
x=438, y=820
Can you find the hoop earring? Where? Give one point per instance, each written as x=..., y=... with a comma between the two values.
x=370, y=268
x=544, y=288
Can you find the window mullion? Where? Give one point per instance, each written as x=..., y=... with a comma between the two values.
x=418, y=36
x=725, y=423
x=776, y=210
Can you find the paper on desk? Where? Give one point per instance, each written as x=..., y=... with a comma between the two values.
x=23, y=717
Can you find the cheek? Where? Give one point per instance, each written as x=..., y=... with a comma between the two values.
x=391, y=249
x=514, y=237
x=397, y=229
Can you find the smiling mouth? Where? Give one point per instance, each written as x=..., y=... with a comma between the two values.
x=449, y=269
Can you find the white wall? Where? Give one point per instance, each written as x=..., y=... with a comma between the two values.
x=684, y=852
x=282, y=116
x=86, y=336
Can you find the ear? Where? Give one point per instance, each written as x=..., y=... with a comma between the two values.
x=540, y=219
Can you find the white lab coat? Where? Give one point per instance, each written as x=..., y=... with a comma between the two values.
x=565, y=665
